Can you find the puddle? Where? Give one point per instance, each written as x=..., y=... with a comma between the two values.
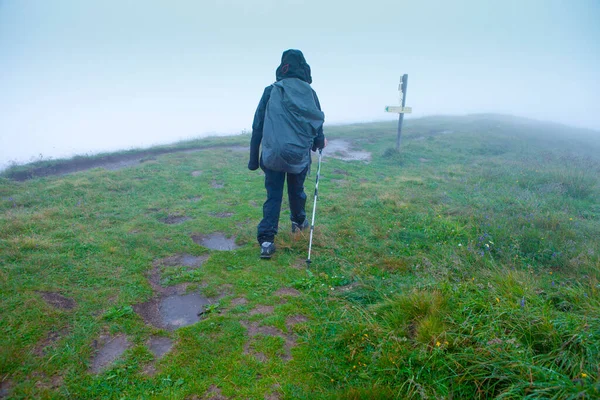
x=109, y=353
x=58, y=300
x=217, y=185
x=340, y=149
x=182, y=310
x=160, y=345
x=215, y=241
x=172, y=307
x=175, y=219
x=173, y=311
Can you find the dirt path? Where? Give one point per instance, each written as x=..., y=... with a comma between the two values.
x=109, y=162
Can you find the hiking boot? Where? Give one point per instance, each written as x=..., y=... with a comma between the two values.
x=267, y=249
x=296, y=227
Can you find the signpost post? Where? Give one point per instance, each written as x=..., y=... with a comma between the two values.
x=402, y=109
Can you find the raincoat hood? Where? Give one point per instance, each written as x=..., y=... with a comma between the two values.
x=293, y=65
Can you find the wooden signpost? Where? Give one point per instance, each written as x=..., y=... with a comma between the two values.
x=402, y=109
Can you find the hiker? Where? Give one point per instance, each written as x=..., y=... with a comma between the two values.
x=289, y=124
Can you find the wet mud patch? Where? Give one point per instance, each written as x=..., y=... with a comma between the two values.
x=239, y=301
x=339, y=172
x=59, y=301
x=42, y=381
x=221, y=214
x=260, y=309
x=115, y=166
x=49, y=341
x=238, y=149
x=215, y=241
x=109, y=349
x=287, y=291
x=275, y=395
x=185, y=260
x=196, y=173
x=339, y=182
x=5, y=388
x=217, y=185
x=171, y=307
x=175, y=219
x=341, y=149
x=159, y=346
x=214, y=393
x=300, y=265
x=294, y=320
x=254, y=330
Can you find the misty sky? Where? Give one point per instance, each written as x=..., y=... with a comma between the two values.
x=85, y=76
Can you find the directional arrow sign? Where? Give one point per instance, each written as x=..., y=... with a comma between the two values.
x=398, y=109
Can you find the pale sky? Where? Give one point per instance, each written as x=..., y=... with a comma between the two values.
x=83, y=76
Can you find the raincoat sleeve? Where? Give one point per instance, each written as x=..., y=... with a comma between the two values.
x=319, y=141
x=257, y=129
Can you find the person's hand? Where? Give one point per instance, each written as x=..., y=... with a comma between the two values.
x=324, y=144
x=252, y=166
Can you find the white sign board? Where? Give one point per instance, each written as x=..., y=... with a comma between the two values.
x=398, y=109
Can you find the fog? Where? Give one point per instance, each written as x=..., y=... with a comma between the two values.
x=87, y=76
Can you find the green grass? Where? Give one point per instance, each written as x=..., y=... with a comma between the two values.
x=465, y=266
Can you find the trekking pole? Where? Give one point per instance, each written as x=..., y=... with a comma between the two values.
x=312, y=225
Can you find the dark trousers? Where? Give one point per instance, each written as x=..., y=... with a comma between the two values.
x=274, y=180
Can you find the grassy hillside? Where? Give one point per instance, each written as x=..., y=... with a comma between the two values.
x=465, y=266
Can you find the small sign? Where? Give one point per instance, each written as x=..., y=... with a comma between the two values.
x=398, y=109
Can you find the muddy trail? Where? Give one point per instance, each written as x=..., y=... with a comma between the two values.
x=337, y=148
x=109, y=162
